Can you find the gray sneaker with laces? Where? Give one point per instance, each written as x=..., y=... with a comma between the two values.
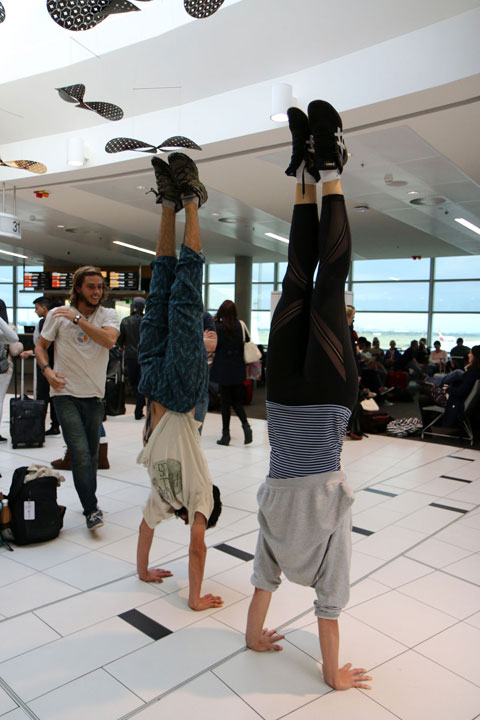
x=95, y=520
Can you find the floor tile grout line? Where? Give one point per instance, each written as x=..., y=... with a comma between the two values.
x=181, y=684
x=106, y=584
x=237, y=694
x=17, y=699
x=465, y=679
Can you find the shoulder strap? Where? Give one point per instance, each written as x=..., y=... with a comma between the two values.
x=245, y=333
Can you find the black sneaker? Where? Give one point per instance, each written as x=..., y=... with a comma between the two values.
x=330, y=152
x=166, y=184
x=186, y=175
x=95, y=520
x=53, y=431
x=301, y=143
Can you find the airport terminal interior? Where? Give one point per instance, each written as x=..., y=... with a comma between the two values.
x=81, y=635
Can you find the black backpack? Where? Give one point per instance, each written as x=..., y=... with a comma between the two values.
x=48, y=520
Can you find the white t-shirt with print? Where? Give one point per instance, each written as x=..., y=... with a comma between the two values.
x=178, y=469
x=81, y=361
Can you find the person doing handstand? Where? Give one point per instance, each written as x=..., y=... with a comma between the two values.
x=305, y=501
x=174, y=367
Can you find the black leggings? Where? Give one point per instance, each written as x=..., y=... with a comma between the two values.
x=310, y=357
x=231, y=396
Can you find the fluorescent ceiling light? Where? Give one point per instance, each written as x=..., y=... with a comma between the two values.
x=469, y=225
x=134, y=247
x=277, y=237
x=7, y=252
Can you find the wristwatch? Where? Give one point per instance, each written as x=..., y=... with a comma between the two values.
x=43, y=367
x=76, y=319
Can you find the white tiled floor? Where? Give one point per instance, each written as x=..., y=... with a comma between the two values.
x=413, y=618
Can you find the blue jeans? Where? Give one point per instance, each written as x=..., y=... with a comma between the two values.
x=81, y=420
x=201, y=409
x=171, y=352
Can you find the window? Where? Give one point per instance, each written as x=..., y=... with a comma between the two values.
x=391, y=296
x=260, y=327
x=261, y=296
x=217, y=294
x=457, y=296
x=393, y=269
x=449, y=326
x=452, y=268
x=263, y=272
x=221, y=273
x=401, y=327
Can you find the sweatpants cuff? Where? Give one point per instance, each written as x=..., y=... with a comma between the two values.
x=263, y=584
x=326, y=612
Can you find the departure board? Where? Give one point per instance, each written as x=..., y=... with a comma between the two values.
x=61, y=280
x=36, y=280
x=123, y=280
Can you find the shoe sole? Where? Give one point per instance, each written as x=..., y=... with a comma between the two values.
x=300, y=130
x=165, y=171
x=96, y=526
x=327, y=129
x=186, y=176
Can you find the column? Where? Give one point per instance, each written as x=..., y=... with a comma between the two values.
x=243, y=288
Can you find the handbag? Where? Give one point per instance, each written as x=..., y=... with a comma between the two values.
x=251, y=353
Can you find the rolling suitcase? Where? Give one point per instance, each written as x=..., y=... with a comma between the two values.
x=27, y=416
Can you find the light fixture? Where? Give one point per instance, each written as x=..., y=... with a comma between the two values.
x=282, y=99
x=412, y=192
x=468, y=225
x=60, y=226
x=215, y=214
x=141, y=187
x=277, y=237
x=76, y=155
x=133, y=247
x=7, y=252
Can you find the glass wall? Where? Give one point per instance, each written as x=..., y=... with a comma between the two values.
x=398, y=299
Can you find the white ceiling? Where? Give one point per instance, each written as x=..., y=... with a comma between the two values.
x=409, y=100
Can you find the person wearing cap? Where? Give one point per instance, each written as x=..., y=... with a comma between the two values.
x=128, y=340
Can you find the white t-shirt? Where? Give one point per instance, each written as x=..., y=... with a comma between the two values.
x=81, y=361
x=178, y=469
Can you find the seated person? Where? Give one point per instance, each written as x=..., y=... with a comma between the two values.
x=459, y=355
x=173, y=359
x=453, y=390
x=392, y=357
x=410, y=362
x=438, y=359
x=376, y=350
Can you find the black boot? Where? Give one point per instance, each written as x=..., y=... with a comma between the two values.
x=247, y=431
x=225, y=439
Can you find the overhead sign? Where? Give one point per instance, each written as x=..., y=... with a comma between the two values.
x=10, y=227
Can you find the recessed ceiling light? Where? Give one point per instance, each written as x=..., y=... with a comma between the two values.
x=141, y=187
x=233, y=220
x=430, y=201
x=361, y=208
x=7, y=252
x=215, y=214
x=133, y=247
x=468, y=225
x=60, y=226
x=412, y=192
x=277, y=237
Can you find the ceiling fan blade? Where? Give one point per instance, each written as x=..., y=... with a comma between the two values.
x=121, y=144
x=31, y=165
x=77, y=15
x=201, y=9
x=106, y=110
x=178, y=141
x=72, y=93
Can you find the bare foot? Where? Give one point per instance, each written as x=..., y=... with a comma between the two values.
x=349, y=677
x=267, y=641
x=155, y=575
x=206, y=602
